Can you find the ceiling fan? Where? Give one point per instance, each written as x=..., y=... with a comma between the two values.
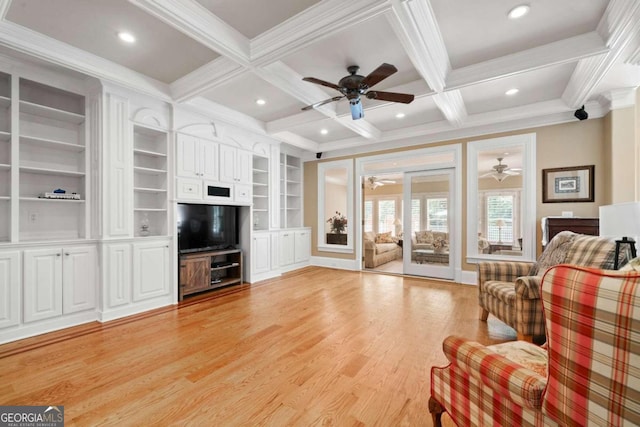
x=501, y=171
x=374, y=182
x=354, y=85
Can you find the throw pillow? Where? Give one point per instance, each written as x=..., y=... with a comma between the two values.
x=633, y=265
x=384, y=238
x=554, y=253
x=424, y=237
x=369, y=235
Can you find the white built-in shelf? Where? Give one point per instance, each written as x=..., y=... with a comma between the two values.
x=4, y=167
x=260, y=210
x=5, y=102
x=260, y=184
x=50, y=113
x=42, y=199
x=292, y=167
x=259, y=196
x=5, y=136
x=47, y=171
x=149, y=153
x=149, y=190
x=149, y=171
x=44, y=142
x=5, y=198
x=149, y=210
x=290, y=181
x=256, y=170
x=293, y=195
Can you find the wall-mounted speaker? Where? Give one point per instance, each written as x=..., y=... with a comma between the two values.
x=318, y=155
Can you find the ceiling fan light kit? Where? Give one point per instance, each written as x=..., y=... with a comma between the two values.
x=354, y=85
x=500, y=171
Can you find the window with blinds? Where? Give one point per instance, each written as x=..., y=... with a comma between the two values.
x=368, y=215
x=500, y=208
x=437, y=214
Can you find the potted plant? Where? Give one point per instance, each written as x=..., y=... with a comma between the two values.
x=338, y=223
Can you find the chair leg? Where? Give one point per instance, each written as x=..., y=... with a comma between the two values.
x=436, y=410
x=484, y=314
x=527, y=338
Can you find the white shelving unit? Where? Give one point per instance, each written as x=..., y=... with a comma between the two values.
x=290, y=191
x=150, y=174
x=5, y=157
x=52, y=155
x=260, y=193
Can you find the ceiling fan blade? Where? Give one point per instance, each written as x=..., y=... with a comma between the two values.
x=321, y=82
x=318, y=104
x=511, y=172
x=387, y=181
x=405, y=98
x=379, y=74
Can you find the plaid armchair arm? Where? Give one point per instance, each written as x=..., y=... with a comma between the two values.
x=528, y=287
x=502, y=271
x=509, y=379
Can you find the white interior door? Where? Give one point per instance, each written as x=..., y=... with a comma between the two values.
x=428, y=224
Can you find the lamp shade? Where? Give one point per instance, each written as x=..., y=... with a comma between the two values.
x=620, y=220
x=501, y=222
x=397, y=222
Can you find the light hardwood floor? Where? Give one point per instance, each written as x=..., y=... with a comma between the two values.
x=315, y=347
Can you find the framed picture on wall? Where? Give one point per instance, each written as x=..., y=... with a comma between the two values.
x=568, y=185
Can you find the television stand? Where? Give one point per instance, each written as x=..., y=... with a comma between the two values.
x=204, y=271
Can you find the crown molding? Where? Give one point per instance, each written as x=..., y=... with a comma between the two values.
x=618, y=98
x=290, y=122
x=634, y=58
x=45, y=48
x=416, y=27
x=207, y=77
x=219, y=112
x=560, y=52
x=194, y=20
x=312, y=24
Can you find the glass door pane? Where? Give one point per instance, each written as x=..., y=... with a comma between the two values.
x=427, y=242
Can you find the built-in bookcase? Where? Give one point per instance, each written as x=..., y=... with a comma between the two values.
x=5, y=157
x=52, y=156
x=150, y=174
x=260, y=193
x=290, y=191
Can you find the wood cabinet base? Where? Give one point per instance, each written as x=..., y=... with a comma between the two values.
x=203, y=271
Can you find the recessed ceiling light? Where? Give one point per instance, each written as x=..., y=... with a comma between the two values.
x=519, y=11
x=324, y=131
x=400, y=115
x=512, y=91
x=260, y=101
x=126, y=37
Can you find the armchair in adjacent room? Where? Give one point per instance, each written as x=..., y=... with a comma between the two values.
x=510, y=290
x=586, y=374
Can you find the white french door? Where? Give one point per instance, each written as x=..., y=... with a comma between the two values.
x=428, y=219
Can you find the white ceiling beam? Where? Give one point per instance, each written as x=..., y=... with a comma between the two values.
x=619, y=26
x=360, y=126
x=291, y=122
x=560, y=52
x=205, y=78
x=45, y=48
x=227, y=115
x=452, y=106
x=320, y=20
x=197, y=22
x=4, y=8
x=297, y=141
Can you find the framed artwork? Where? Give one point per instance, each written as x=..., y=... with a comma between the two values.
x=568, y=185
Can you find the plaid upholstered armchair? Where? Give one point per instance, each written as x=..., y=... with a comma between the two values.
x=586, y=374
x=511, y=290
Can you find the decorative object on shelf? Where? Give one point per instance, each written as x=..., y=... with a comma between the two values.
x=336, y=239
x=144, y=226
x=621, y=221
x=500, y=223
x=60, y=195
x=571, y=184
x=338, y=223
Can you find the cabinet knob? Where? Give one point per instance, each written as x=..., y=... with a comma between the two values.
x=67, y=254
x=57, y=254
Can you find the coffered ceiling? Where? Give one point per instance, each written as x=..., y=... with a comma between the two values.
x=458, y=57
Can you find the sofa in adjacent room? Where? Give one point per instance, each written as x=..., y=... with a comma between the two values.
x=380, y=248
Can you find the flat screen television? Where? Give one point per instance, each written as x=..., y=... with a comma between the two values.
x=207, y=227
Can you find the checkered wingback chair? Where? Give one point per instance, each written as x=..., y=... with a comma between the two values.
x=586, y=374
x=510, y=290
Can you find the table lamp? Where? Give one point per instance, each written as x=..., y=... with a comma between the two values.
x=500, y=223
x=621, y=221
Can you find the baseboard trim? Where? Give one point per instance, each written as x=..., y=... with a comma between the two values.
x=339, y=263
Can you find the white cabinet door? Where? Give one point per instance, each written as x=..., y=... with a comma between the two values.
x=244, y=167
x=188, y=188
x=150, y=270
x=227, y=163
x=79, y=278
x=209, y=160
x=302, y=245
x=242, y=193
x=42, y=284
x=287, y=248
x=260, y=249
x=9, y=288
x=189, y=156
x=118, y=274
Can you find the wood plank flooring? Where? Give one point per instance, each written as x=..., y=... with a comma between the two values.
x=315, y=347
